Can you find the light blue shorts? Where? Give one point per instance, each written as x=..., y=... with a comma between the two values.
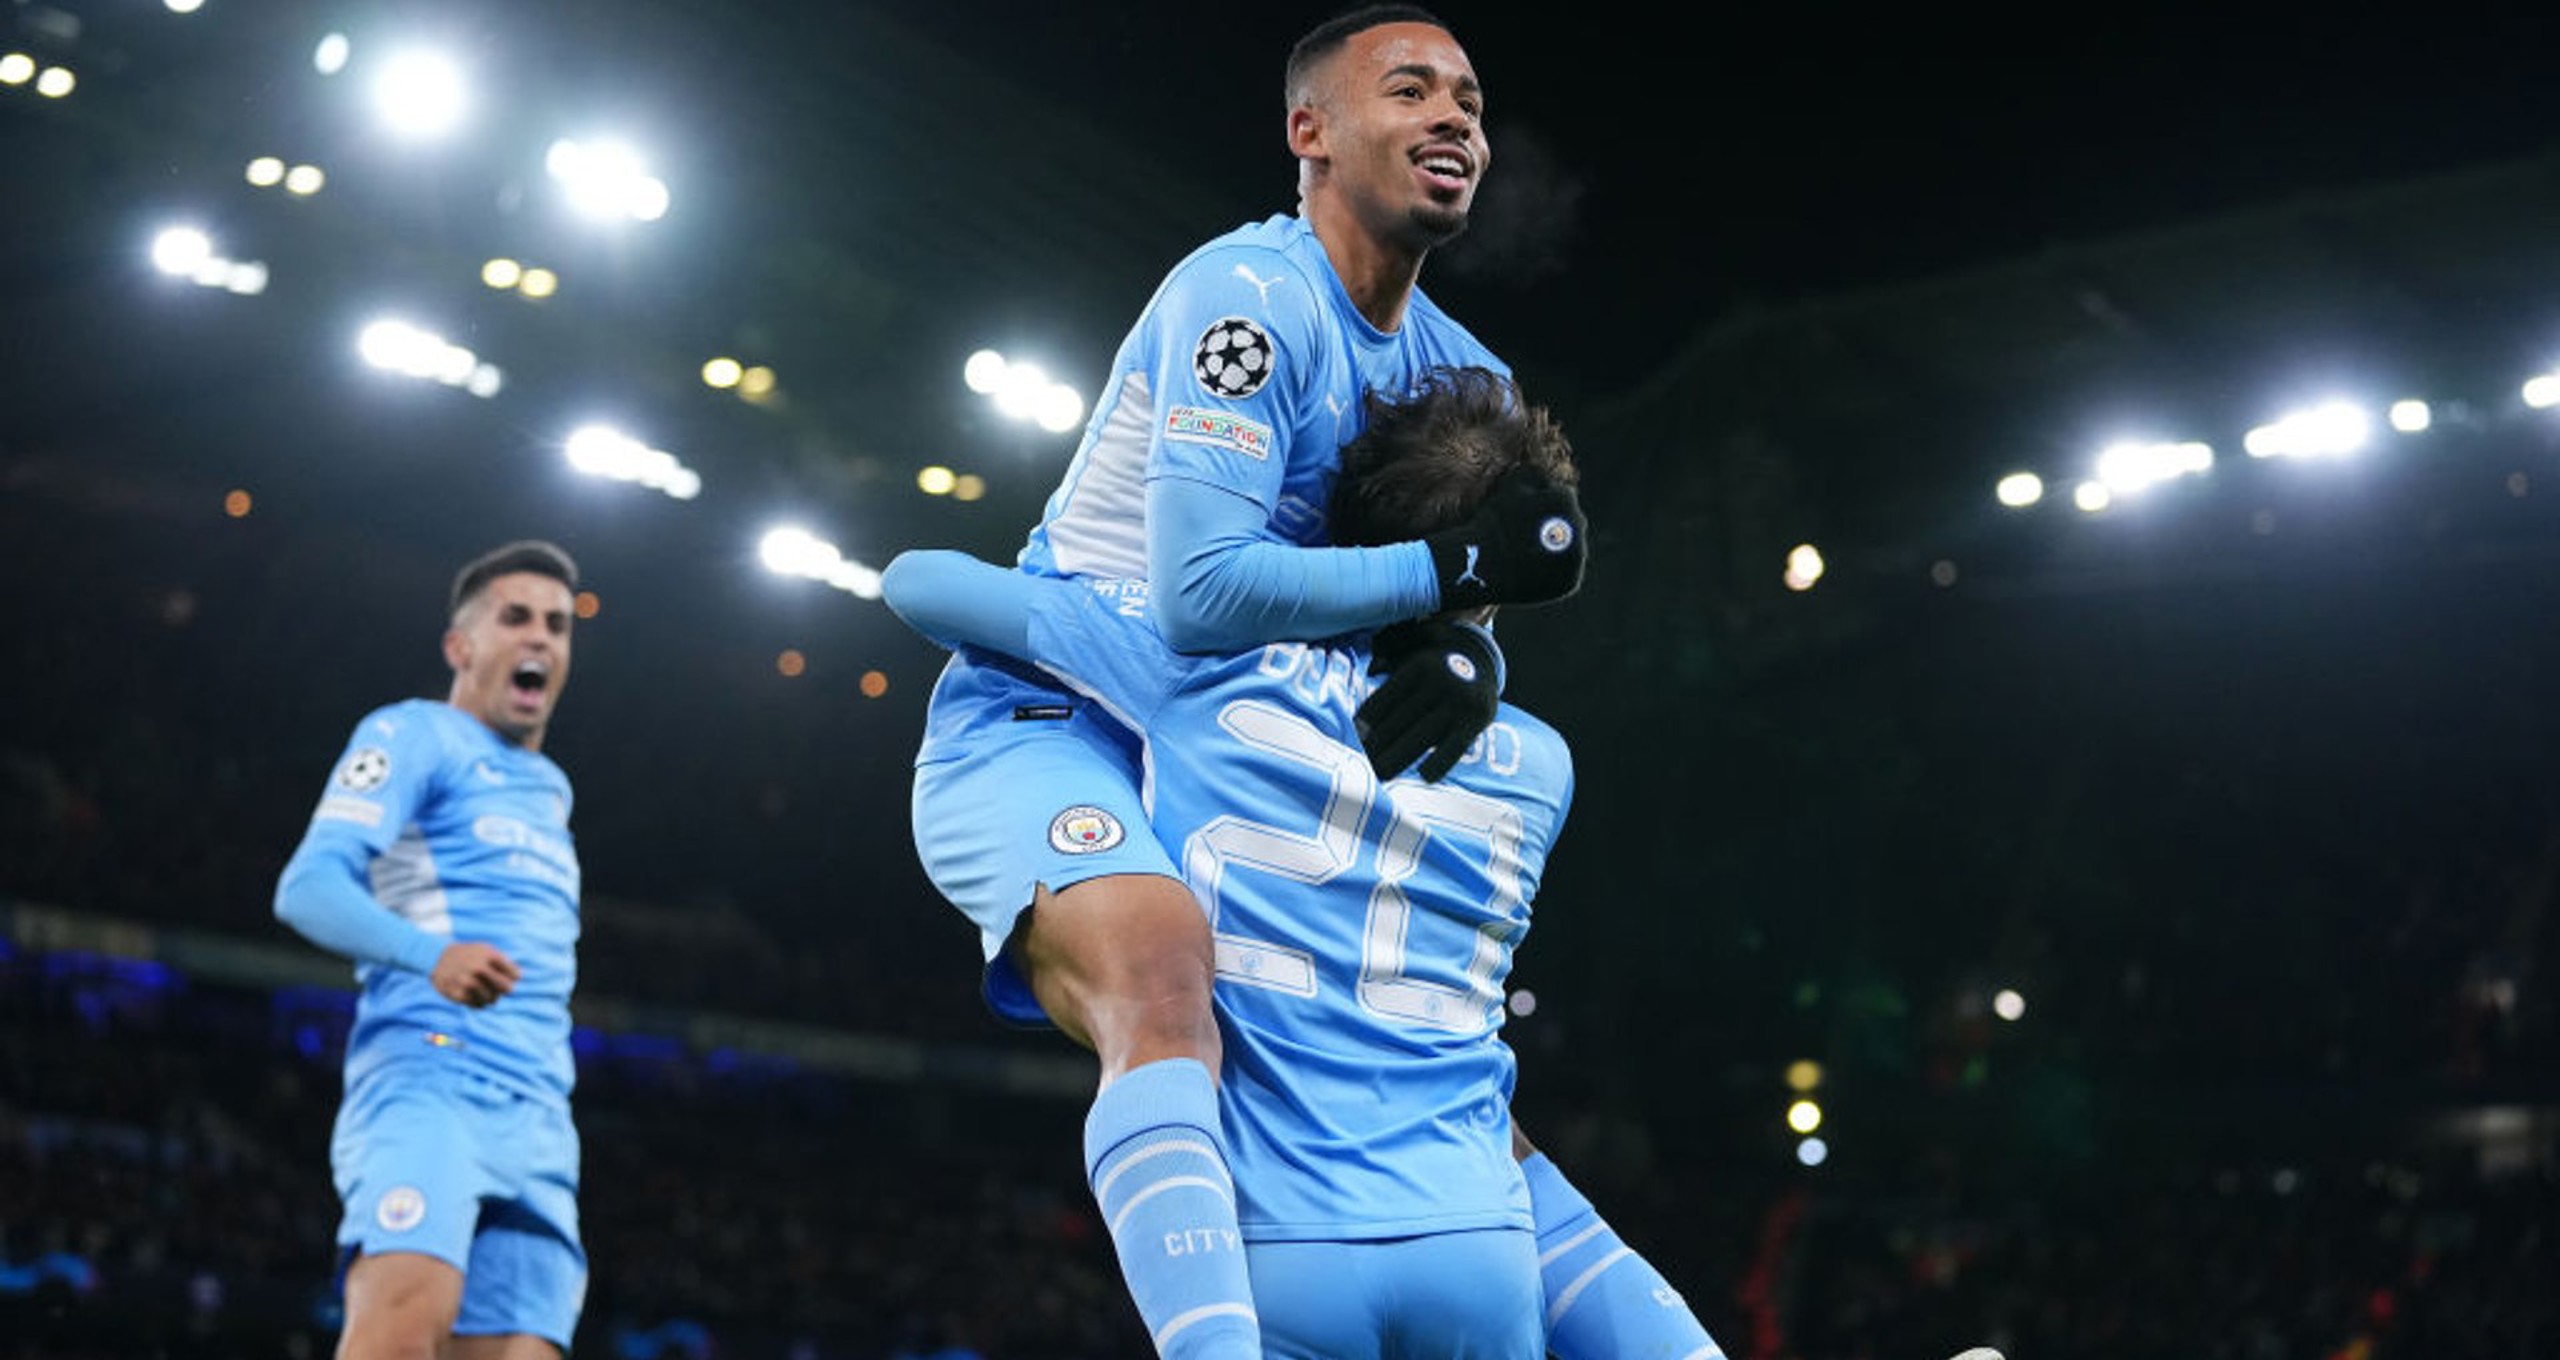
x=1023, y=805
x=1447, y=1296
x=476, y=1175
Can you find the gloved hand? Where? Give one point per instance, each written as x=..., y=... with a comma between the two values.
x=1443, y=685
x=1525, y=545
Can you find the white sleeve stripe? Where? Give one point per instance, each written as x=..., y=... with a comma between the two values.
x=1573, y=1292
x=355, y=810
x=1201, y=1314
x=1168, y=1183
x=1571, y=1242
x=1102, y=1192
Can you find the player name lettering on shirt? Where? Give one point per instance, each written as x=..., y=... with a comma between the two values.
x=1319, y=676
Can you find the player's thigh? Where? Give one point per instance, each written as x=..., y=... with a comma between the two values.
x=528, y=1269
x=405, y=1156
x=1051, y=804
x=398, y=1303
x=1448, y=1296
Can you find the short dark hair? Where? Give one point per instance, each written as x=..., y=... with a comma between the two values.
x=1327, y=38
x=1423, y=462
x=525, y=554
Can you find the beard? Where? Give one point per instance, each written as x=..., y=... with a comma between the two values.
x=1431, y=225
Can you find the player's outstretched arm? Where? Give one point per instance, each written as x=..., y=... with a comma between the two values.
x=956, y=600
x=1220, y=585
x=324, y=896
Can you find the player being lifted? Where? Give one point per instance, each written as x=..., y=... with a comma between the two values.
x=1205, y=470
x=439, y=860
x=1363, y=929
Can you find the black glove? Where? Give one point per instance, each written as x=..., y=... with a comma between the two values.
x=1525, y=545
x=1444, y=682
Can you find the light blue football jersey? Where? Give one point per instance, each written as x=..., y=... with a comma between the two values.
x=1245, y=372
x=465, y=836
x=1363, y=929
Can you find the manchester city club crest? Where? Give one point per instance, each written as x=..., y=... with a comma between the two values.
x=1084, y=830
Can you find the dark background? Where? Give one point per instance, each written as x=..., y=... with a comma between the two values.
x=2242, y=784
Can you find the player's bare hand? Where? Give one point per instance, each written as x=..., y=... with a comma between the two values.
x=474, y=974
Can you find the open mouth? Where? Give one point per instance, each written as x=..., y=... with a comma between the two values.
x=530, y=677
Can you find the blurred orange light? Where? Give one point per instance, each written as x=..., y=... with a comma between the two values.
x=874, y=684
x=236, y=505
x=588, y=605
x=791, y=663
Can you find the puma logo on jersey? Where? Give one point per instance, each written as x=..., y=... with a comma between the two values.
x=1261, y=286
x=1470, y=573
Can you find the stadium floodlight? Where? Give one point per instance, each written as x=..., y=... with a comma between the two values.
x=1058, y=409
x=936, y=480
x=265, y=172
x=606, y=180
x=180, y=251
x=969, y=487
x=16, y=68
x=396, y=346
x=2411, y=416
x=2542, y=391
x=420, y=94
x=1804, y=567
x=538, y=282
x=2329, y=430
x=245, y=277
x=330, y=57
x=2008, y=1004
x=2133, y=466
x=302, y=181
x=501, y=273
x=2019, y=490
x=2092, y=497
x=183, y=6
x=1813, y=1152
x=722, y=372
x=602, y=451
x=1019, y=394
x=984, y=372
x=1804, y=1116
x=56, y=82
x=485, y=380
x=790, y=550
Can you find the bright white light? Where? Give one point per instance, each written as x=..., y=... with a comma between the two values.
x=330, y=57
x=17, y=68
x=607, y=452
x=984, y=372
x=1804, y=1116
x=2008, y=1005
x=183, y=6
x=1019, y=394
x=2409, y=417
x=2542, y=391
x=2130, y=467
x=1058, y=408
x=793, y=551
x=2092, y=497
x=485, y=381
x=420, y=94
x=1813, y=1152
x=722, y=372
x=501, y=273
x=2329, y=430
x=1804, y=567
x=1524, y=1003
x=180, y=250
x=398, y=347
x=212, y=271
x=2019, y=490
x=56, y=82
x=936, y=480
x=606, y=179
x=247, y=278
x=266, y=171
x=304, y=180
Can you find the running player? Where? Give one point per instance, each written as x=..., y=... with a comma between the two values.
x=439, y=860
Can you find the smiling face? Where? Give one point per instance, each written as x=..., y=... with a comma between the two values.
x=1393, y=125
x=509, y=649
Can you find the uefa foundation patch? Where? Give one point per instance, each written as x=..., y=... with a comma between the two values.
x=1084, y=830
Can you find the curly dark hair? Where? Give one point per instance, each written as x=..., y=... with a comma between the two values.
x=1425, y=460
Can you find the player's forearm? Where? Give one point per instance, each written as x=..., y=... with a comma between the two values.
x=322, y=895
x=1218, y=585
x=953, y=598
